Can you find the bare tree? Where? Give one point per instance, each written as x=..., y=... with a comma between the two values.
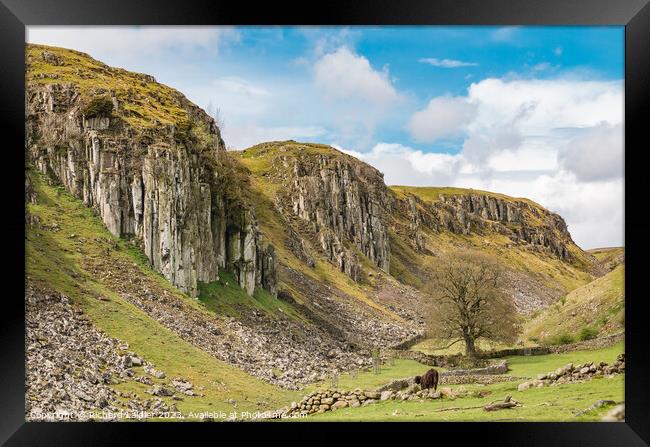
x=469, y=302
x=215, y=112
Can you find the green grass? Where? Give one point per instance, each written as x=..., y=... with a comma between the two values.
x=433, y=193
x=145, y=103
x=587, y=333
x=225, y=296
x=599, y=305
x=54, y=259
x=431, y=346
x=608, y=254
x=369, y=380
x=530, y=366
x=558, y=403
x=560, y=339
x=272, y=149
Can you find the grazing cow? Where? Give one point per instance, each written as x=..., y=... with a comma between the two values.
x=428, y=380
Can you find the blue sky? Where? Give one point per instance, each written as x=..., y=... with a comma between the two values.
x=527, y=111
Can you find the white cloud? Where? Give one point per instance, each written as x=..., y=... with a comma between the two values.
x=500, y=115
x=344, y=74
x=531, y=158
x=543, y=105
x=544, y=66
x=447, y=63
x=242, y=136
x=504, y=34
x=595, y=153
x=403, y=165
x=120, y=44
x=593, y=211
x=240, y=86
x=443, y=117
x=558, y=142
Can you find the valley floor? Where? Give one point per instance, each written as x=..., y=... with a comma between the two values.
x=560, y=403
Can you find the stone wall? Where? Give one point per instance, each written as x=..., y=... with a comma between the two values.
x=595, y=343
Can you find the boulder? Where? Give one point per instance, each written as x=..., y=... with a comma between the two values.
x=616, y=414
x=372, y=394
x=159, y=390
x=524, y=386
x=448, y=393
x=339, y=404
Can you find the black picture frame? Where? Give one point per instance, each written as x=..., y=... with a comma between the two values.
x=633, y=14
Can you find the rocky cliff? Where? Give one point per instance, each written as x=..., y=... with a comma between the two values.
x=151, y=163
x=340, y=203
x=470, y=212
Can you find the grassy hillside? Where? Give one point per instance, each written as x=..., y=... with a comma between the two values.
x=264, y=165
x=226, y=297
x=433, y=193
x=67, y=236
x=597, y=308
x=609, y=257
x=145, y=103
x=555, y=274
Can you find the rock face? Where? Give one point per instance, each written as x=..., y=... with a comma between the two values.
x=342, y=202
x=478, y=213
x=166, y=184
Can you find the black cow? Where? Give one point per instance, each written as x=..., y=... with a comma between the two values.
x=428, y=380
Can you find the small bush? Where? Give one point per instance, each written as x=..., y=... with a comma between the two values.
x=587, y=333
x=99, y=107
x=182, y=131
x=562, y=339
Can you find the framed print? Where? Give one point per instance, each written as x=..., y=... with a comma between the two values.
x=369, y=212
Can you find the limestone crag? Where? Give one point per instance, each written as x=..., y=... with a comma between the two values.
x=519, y=220
x=478, y=213
x=342, y=201
x=164, y=184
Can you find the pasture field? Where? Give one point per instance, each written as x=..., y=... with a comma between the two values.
x=553, y=403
